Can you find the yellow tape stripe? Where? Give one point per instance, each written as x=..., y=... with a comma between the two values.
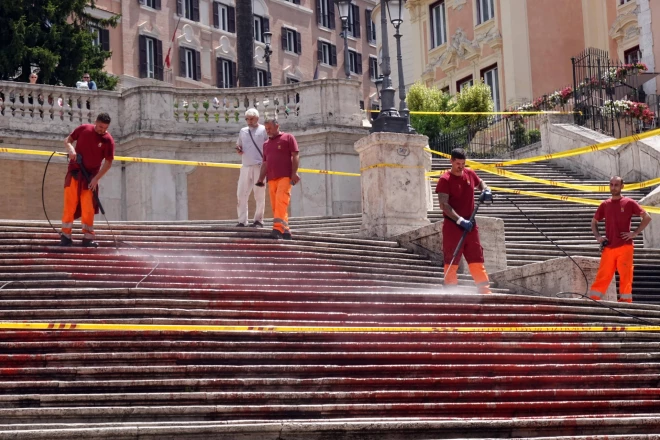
x=581, y=200
x=310, y=329
x=390, y=165
x=522, y=177
x=583, y=150
x=170, y=161
x=550, y=112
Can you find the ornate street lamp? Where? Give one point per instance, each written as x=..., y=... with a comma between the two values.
x=389, y=119
x=395, y=9
x=344, y=6
x=267, y=53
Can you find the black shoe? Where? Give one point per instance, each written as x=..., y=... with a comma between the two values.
x=240, y=225
x=277, y=235
x=65, y=241
x=286, y=236
x=87, y=242
x=257, y=224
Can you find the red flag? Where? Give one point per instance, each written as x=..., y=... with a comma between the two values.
x=168, y=60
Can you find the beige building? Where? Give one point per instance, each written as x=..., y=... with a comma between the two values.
x=306, y=41
x=521, y=48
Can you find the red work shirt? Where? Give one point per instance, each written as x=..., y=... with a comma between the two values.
x=460, y=190
x=93, y=147
x=617, y=215
x=278, y=151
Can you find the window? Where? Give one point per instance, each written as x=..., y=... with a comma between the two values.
x=155, y=4
x=445, y=90
x=370, y=25
x=291, y=41
x=295, y=2
x=354, y=21
x=373, y=68
x=326, y=53
x=325, y=13
x=151, y=58
x=262, y=78
x=438, y=24
x=632, y=55
x=261, y=25
x=355, y=62
x=224, y=17
x=226, y=73
x=485, y=10
x=463, y=83
x=623, y=2
x=490, y=77
x=292, y=81
x=101, y=37
x=189, y=63
x=188, y=9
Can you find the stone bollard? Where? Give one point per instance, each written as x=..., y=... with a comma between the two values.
x=395, y=191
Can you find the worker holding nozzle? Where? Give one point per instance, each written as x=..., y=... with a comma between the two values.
x=617, y=244
x=460, y=234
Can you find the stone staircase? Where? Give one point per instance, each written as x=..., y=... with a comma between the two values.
x=317, y=342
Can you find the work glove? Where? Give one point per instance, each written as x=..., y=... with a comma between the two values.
x=464, y=224
x=486, y=196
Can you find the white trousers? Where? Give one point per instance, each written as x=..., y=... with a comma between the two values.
x=248, y=177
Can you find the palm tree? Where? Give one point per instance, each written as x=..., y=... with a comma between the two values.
x=245, y=43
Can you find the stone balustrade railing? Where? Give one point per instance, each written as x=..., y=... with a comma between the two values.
x=165, y=110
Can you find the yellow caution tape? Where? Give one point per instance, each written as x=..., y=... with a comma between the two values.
x=390, y=165
x=311, y=329
x=582, y=150
x=524, y=178
x=581, y=200
x=170, y=161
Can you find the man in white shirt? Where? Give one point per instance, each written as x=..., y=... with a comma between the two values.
x=250, y=146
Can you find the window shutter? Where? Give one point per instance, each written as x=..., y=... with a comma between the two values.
x=331, y=14
x=356, y=21
x=198, y=66
x=297, y=2
x=298, y=43
x=195, y=11
x=104, y=37
x=182, y=62
x=157, y=4
x=318, y=12
x=232, y=74
x=220, y=77
x=179, y=7
x=158, y=61
x=358, y=62
x=284, y=39
x=231, y=19
x=333, y=55
x=371, y=70
x=319, y=51
x=367, y=24
x=216, y=15
x=142, y=47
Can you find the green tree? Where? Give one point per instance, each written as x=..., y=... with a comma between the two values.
x=54, y=36
x=476, y=98
x=429, y=99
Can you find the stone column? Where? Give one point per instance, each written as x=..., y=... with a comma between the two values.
x=394, y=194
x=652, y=232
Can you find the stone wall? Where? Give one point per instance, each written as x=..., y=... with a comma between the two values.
x=187, y=124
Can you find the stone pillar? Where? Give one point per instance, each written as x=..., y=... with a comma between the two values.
x=652, y=232
x=394, y=197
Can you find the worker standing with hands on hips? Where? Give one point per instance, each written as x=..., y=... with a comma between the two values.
x=617, y=245
x=455, y=191
x=97, y=148
x=280, y=165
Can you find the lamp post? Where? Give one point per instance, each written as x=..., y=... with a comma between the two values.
x=388, y=119
x=267, y=53
x=378, y=82
x=344, y=6
x=395, y=9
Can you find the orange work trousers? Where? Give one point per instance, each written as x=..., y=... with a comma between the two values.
x=620, y=259
x=279, y=191
x=71, y=201
x=478, y=272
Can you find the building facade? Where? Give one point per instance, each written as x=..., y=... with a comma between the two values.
x=523, y=48
x=306, y=41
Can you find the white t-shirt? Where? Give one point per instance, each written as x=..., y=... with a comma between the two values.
x=250, y=154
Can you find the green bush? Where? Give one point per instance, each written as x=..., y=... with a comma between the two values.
x=534, y=136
